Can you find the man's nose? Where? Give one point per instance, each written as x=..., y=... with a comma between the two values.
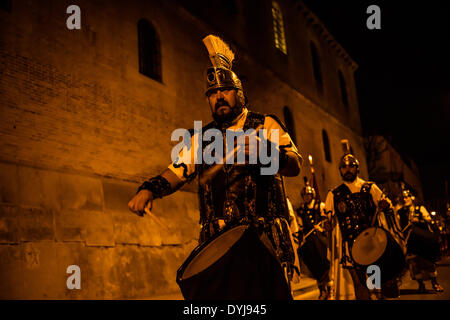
x=219, y=94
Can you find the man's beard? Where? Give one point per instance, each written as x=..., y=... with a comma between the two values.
x=349, y=176
x=223, y=118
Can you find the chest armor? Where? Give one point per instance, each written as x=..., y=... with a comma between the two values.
x=354, y=211
x=403, y=214
x=310, y=216
x=418, y=215
x=239, y=193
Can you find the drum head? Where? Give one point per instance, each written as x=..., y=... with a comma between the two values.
x=369, y=246
x=213, y=251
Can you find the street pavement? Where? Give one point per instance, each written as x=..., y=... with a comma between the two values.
x=306, y=288
x=408, y=288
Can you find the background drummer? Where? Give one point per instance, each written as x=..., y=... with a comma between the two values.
x=312, y=238
x=420, y=267
x=351, y=207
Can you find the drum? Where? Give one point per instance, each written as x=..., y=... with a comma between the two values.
x=314, y=254
x=376, y=246
x=234, y=265
x=424, y=243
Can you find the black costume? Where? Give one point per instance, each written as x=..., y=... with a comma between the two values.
x=354, y=212
x=240, y=195
x=361, y=235
x=423, y=246
x=244, y=247
x=314, y=250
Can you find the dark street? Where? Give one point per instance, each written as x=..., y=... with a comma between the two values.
x=408, y=289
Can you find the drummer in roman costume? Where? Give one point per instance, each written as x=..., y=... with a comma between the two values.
x=233, y=194
x=351, y=208
x=421, y=257
x=312, y=238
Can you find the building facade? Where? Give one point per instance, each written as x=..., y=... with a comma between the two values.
x=87, y=115
x=389, y=169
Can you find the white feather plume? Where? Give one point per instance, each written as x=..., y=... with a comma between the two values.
x=220, y=53
x=345, y=146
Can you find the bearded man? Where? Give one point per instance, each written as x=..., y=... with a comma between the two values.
x=352, y=208
x=233, y=196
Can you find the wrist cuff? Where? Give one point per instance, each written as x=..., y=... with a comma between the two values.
x=158, y=186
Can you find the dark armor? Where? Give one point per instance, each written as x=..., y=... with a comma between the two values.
x=404, y=216
x=310, y=216
x=313, y=252
x=354, y=211
x=419, y=216
x=239, y=194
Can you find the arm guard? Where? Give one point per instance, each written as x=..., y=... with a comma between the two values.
x=158, y=185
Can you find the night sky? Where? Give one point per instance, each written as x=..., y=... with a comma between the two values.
x=403, y=80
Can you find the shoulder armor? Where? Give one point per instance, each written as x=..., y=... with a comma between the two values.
x=338, y=191
x=254, y=119
x=274, y=117
x=366, y=186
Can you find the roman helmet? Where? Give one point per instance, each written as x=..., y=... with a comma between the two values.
x=308, y=189
x=348, y=159
x=406, y=193
x=220, y=74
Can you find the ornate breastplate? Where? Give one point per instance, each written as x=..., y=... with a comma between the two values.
x=310, y=216
x=239, y=193
x=354, y=211
x=403, y=214
x=417, y=214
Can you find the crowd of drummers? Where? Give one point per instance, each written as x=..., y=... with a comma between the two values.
x=358, y=226
x=246, y=243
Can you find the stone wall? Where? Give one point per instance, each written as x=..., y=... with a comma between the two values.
x=50, y=220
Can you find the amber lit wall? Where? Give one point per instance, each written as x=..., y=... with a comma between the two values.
x=389, y=169
x=81, y=128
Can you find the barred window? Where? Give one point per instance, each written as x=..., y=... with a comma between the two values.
x=326, y=145
x=278, y=28
x=343, y=89
x=149, y=50
x=316, y=67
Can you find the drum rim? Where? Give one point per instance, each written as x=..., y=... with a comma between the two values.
x=194, y=254
x=387, y=240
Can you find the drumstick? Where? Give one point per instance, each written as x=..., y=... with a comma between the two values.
x=409, y=224
x=157, y=220
x=304, y=239
x=210, y=173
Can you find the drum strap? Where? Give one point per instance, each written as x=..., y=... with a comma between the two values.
x=345, y=258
